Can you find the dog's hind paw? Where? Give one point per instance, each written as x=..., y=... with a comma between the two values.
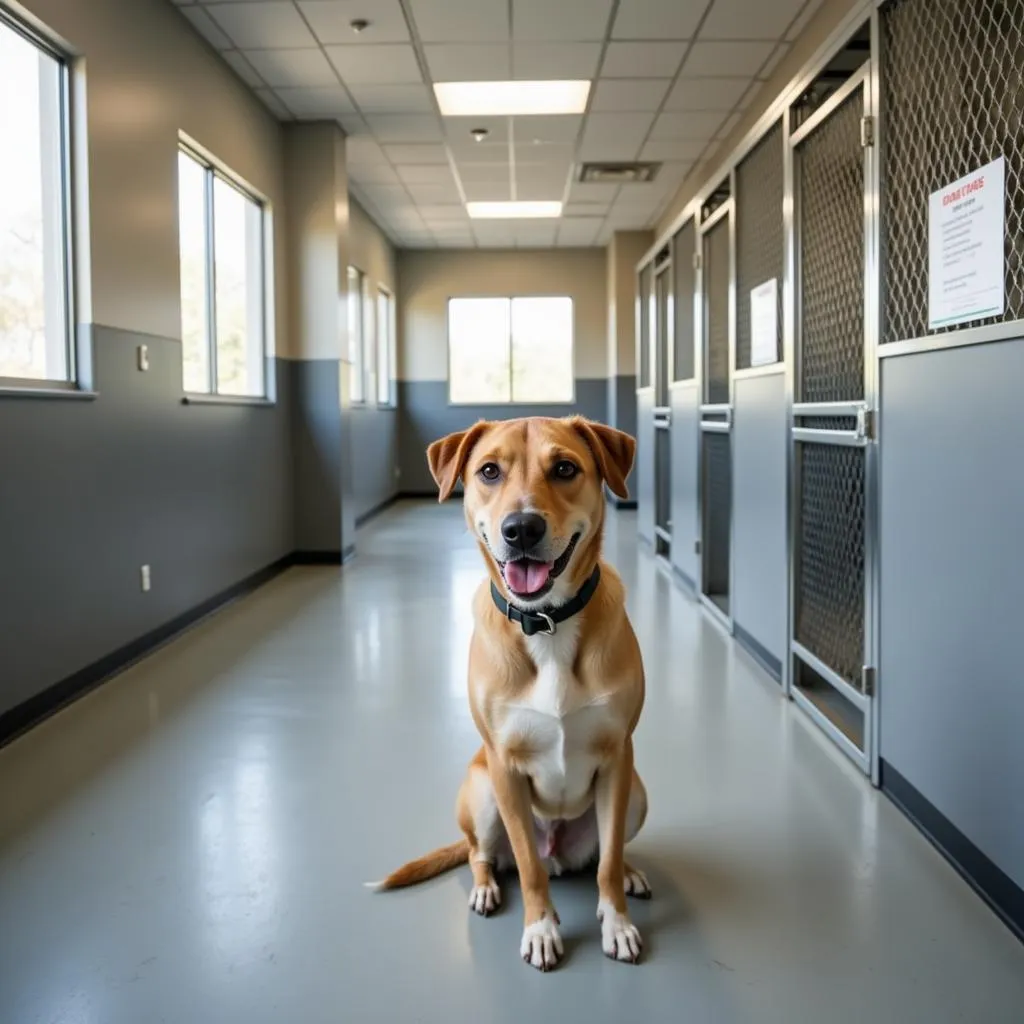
x=637, y=885
x=485, y=899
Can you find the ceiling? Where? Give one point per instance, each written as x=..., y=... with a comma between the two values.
x=670, y=80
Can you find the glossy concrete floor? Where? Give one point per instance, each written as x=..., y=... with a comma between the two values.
x=189, y=843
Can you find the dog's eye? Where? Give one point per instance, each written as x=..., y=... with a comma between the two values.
x=566, y=470
x=490, y=472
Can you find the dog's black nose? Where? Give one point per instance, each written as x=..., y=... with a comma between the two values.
x=523, y=530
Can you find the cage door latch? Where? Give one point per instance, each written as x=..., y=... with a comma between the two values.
x=867, y=131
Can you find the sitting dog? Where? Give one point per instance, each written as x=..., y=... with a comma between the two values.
x=556, y=683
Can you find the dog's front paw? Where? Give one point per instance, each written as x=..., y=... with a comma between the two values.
x=637, y=884
x=542, y=945
x=620, y=938
x=485, y=899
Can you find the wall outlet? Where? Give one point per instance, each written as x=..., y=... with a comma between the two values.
x=145, y=579
x=143, y=352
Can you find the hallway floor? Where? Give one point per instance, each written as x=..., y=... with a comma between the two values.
x=188, y=844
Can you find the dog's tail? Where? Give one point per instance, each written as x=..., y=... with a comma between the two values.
x=429, y=866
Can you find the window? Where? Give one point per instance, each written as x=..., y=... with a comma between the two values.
x=35, y=320
x=356, y=324
x=385, y=346
x=510, y=350
x=223, y=308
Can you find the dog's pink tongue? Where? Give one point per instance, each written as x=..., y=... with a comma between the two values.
x=526, y=577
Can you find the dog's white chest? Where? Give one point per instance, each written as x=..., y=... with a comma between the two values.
x=556, y=726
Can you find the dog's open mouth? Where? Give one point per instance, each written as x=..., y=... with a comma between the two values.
x=528, y=578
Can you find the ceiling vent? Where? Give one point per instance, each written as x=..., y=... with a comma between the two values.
x=618, y=174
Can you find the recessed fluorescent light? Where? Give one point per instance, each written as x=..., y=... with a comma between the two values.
x=507, y=211
x=511, y=99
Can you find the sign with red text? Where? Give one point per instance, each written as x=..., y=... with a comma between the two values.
x=965, y=248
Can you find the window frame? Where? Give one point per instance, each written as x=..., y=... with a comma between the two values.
x=388, y=376
x=71, y=385
x=512, y=400
x=212, y=170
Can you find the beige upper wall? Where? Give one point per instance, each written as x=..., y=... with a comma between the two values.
x=370, y=249
x=624, y=252
x=426, y=280
x=147, y=76
x=818, y=29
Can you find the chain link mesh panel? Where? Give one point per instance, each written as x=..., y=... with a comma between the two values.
x=759, y=245
x=717, y=512
x=831, y=197
x=830, y=557
x=685, y=283
x=716, y=291
x=952, y=101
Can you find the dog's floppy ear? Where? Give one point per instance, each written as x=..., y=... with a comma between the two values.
x=613, y=451
x=447, y=457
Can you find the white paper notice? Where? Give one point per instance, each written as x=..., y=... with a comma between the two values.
x=764, y=324
x=965, y=248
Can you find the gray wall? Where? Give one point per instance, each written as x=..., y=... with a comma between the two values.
x=92, y=490
x=952, y=504
x=759, y=510
x=685, y=480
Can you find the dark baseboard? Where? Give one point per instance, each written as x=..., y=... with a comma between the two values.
x=22, y=717
x=425, y=495
x=988, y=880
x=619, y=504
x=317, y=558
x=758, y=652
x=369, y=514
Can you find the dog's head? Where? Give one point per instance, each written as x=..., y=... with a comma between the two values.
x=534, y=499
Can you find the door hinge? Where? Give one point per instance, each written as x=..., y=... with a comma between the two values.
x=868, y=680
x=696, y=261
x=867, y=424
x=696, y=547
x=867, y=131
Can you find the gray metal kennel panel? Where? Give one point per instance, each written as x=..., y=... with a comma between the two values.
x=645, y=456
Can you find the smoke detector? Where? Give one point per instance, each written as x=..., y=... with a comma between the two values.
x=618, y=173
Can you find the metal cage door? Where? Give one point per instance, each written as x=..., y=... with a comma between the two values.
x=832, y=420
x=664, y=324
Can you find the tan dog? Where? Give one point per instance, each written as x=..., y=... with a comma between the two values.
x=556, y=682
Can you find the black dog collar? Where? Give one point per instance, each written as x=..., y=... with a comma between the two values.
x=545, y=622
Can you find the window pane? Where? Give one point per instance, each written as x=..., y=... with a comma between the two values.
x=478, y=347
x=369, y=340
x=355, y=334
x=33, y=321
x=385, y=326
x=238, y=279
x=195, y=351
x=542, y=350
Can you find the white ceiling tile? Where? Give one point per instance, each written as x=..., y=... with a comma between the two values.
x=583, y=210
x=659, y=19
x=425, y=174
x=741, y=19
x=483, y=174
x=748, y=97
x=459, y=131
x=801, y=22
x=322, y=101
x=270, y=100
x=387, y=197
x=614, y=136
x=581, y=192
x=682, y=150
x=736, y=59
x=373, y=174
x=207, y=28
x=331, y=20
x=578, y=20
x=774, y=60
x=488, y=191
x=558, y=128
x=727, y=126
x=480, y=153
x=454, y=21
x=306, y=68
x=579, y=230
x=463, y=63
x=353, y=125
x=391, y=99
x=629, y=94
x=428, y=193
x=700, y=125
x=390, y=63
x=533, y=61
x=262, y=26
x=433, y=153
x=544, y=152
x=706, y=93
x=629, y=218
x=642, y=60
x=405, y=127
x=543, y=185
x=241, y=67
x=364, y=152
x=444, y=213
x=530, y=234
